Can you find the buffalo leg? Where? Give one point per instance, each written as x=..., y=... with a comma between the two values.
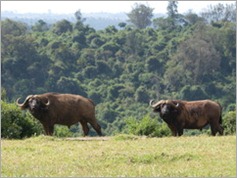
x=48, y=129
x=97, y=128
x=173, y=130
x=180, y=132
x=45, y=128
x=221, y=130
x=213, y=129
x=85, y=128
x=216, y=128
x=51, y=129
x=180, y=129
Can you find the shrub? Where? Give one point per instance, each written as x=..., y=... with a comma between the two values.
x=162, y=130
x=231, y=107
x=62, y=131
x=195, y=92
x=16, y=124
x=229, y=122
x=146, y=126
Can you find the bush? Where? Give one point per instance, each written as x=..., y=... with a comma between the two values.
x=62, y=131
x=16, y=124
x=193, y=93
x=229, y=123
x=231, y=107
x=161, y=131
x=146, y=126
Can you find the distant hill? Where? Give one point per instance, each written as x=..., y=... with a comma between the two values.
x=98, y=21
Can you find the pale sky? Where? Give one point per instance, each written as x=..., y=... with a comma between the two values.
x=68, y=7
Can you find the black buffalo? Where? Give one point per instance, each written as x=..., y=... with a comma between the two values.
x=63, y=109
x=181, y=115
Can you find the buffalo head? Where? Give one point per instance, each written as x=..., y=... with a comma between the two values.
x=166, y=108
x=34, y=103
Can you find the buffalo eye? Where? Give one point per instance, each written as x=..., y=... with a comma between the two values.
x=157, y=109
x=173, y=109
x=34, y=103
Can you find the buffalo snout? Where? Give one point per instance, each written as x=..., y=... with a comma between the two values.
x=34, y=104
x=165, y=110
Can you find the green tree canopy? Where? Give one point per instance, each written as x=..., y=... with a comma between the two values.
x=140, y=16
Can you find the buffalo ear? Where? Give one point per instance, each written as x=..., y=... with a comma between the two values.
x=176, y=108
x=176, y=104
x=45, y=102
x=158, y=108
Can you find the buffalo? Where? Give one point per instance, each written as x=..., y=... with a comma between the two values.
x=62, y=109
x=180, y=115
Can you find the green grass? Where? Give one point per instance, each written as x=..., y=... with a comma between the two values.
x=197, y=156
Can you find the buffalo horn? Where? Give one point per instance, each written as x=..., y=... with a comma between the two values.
x=175, y=104
x=150, y=103
x=47, y=103
x=21, y=105
x=156, y=104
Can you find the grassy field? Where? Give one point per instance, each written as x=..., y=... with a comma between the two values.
x=121, y=155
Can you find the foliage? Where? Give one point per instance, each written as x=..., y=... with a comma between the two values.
x=40, y=26
x=172, y=9
x=3, y=94
x=140, y=16
x=16, y=124
x=220, y=12
x=62, y=131
x=181, y=56
x=146, y=126
x=229, y=123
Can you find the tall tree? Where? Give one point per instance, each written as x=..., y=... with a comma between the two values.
x=14, y=28
x=40, y=26
x=173, y=20
x=78, y=16
x=79, y=24
x=220, y=12
x=172, y=11
x=62, y=27
x=140, y=16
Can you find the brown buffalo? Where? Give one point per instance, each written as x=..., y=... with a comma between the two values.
x=181, y=115
x=63, y=109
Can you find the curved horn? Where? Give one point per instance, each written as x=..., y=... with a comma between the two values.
x=24, y=103
x=156, y=104
x=47, y=103
x=175, y=104
x=150, y=103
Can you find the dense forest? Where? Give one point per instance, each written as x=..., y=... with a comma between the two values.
x=181, y=56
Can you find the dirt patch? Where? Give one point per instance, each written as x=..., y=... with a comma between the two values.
x=89, y=138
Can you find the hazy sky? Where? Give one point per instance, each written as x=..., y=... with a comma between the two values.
x=100, y=6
